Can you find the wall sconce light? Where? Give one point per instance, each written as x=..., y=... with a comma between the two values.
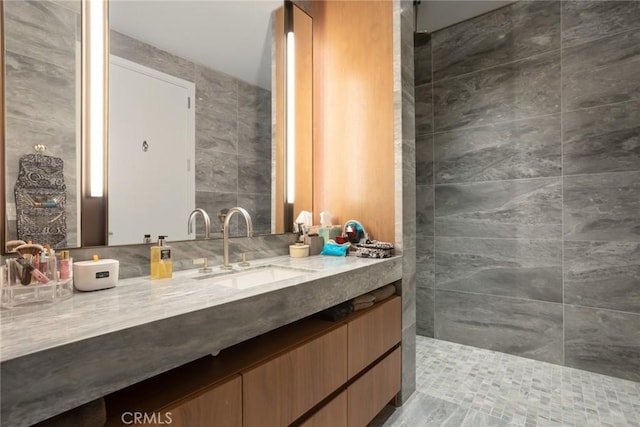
x=291, y=115
x=95, y=49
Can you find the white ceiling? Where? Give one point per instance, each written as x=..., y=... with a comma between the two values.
x=233, y=36
x=434, y=15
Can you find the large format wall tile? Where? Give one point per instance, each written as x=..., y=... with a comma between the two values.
x=259, y=207
x=518, y=209
x=522, y=327
x=424, y=210
x=602, y=206
x=425, y=268
x=217, y=108
x=602, y=139
x=517, y=90
x=522, y=149
x=422, y=58
x=603, y=341
x=603, y=275
x=424, y=109
x=254, y=175
x=216, y=172
x=40, y=91
x=424, y=311
x=41, y=30
x=589, y=20
x=424, y=159
x=213, y=203
x=520, y=30
x=530, y=269
x=601, y=72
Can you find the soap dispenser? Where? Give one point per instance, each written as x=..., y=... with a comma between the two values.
x=161, y=265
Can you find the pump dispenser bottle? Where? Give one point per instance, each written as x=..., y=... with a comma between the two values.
x=161, y=265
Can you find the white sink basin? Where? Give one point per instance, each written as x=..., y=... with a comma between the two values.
x=255, y=276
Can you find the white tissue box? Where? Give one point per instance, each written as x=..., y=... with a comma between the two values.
x=95, y=275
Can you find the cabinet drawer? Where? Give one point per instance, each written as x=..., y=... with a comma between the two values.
x=220, y=406
x=279, y=391
x=373, y=333
x=332, y=414
x=371, y=392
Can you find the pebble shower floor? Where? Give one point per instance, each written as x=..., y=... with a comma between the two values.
x=460, y=386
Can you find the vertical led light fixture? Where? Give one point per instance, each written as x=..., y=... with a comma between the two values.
x=290, y=108
x=95, y=10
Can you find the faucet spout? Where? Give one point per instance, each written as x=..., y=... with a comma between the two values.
x=225, y=232
x=207, y=222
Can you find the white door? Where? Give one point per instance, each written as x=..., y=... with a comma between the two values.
x=151, y=152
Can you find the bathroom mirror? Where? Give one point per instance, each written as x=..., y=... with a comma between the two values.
x=219, y=53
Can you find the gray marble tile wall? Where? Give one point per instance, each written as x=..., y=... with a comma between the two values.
x=528, y=183
x=233, y=135
x=42, y=87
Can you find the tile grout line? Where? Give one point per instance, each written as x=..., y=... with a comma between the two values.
x=562, y=194
x=433, y=182
x=535, y=178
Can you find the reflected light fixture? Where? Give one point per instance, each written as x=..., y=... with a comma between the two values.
x=96, y=94
x=291, y=116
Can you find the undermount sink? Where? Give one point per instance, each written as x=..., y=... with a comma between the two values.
x=254, y=276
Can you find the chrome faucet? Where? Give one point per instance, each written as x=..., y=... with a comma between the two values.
x=207, y=222
x=225, y=233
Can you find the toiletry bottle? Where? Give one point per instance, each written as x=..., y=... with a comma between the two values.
x=161, y=265
x=65, y=267
x=147, y=238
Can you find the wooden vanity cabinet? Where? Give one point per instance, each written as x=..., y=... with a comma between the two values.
x=372, y=333
x=200, y=393
x=312, y=373
x=281, y=390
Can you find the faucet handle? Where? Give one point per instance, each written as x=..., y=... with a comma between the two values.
x=202, y=261
x=244, y=262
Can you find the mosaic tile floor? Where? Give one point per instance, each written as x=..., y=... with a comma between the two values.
x=459, y=385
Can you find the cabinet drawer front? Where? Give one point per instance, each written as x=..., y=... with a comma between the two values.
x=371, y=392
x=332, y=414
x=220, y=406
x=279, y=391
x=373, y=333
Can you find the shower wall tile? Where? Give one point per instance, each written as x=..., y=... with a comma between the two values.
x=424, y=109
x=512, y=91
x=525, y=328
x=603, y=341
x=527, y=148
x=425, y=311
x=602, y=207
x=254, y=175
x=216, y=172
x=530, y=269
x=514, y=32
x=603, y=275
x=602, y=139
x=424, y=210
x=529, y=209
x=144, y=54
x=43, y=31
x=601, y=72
x=425, y=261
x=584, y=21
x=422, y=58
x=424, y=159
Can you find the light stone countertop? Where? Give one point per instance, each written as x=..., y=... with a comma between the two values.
x=97, y=342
